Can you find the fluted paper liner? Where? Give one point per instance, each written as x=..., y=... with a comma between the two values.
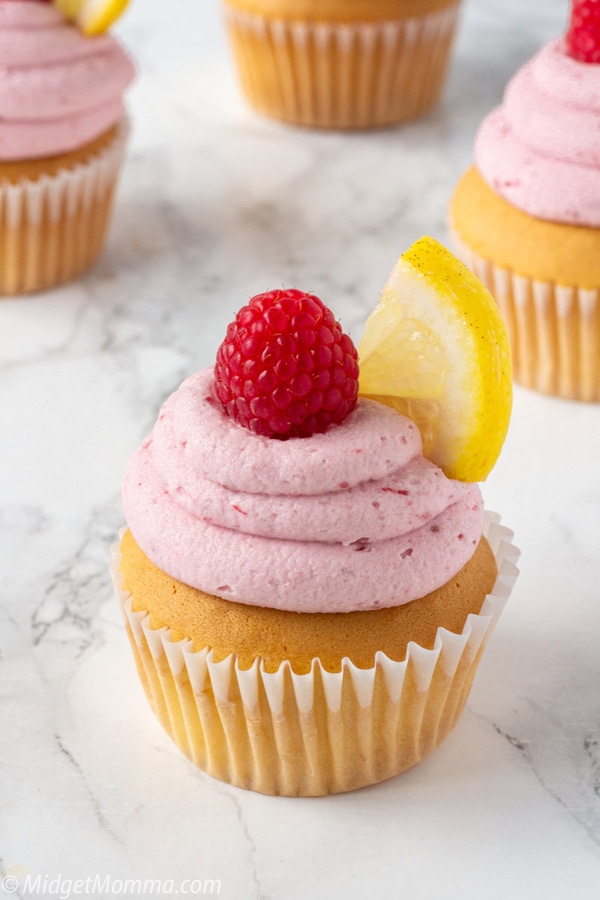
x=342, y=75
x=321, y=732
x=553, y=329
x=53, y=228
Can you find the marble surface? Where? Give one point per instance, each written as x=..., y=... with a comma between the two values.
x=215, y=204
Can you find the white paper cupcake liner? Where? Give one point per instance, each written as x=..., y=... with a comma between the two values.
x=321, y=732
x=342, y=75
x=54, y=227
x=554, y=330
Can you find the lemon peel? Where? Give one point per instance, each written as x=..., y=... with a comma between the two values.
x=92, y=16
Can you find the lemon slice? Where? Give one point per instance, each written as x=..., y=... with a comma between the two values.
x=92, y=16
x=437, y=350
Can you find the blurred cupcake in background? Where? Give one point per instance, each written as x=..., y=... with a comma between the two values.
x=526, y=215
x=62, y=136
x=342, y=63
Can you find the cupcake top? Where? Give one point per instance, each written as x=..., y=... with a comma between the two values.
x=351, y=519
x=58, y=88
x=540, y=149
x=267, y=482
x=341, y=10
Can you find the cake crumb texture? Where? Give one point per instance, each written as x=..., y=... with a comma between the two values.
x=499, y=232
x=278, y=635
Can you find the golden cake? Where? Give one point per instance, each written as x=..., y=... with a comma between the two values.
x=342, y=63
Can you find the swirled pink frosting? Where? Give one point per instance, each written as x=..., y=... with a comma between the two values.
x=58, y=89
x=352, y=519
x=540, y=149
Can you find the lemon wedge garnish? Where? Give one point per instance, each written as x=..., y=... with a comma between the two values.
x=92, y=16
x=436, y=349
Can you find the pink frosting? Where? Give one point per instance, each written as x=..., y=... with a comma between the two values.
x=58, y=88
x=540, y=149
x=353, y=519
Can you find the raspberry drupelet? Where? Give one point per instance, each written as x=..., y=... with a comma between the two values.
x=286, y=368
x=583, y=34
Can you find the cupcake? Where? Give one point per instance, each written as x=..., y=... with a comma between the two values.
x=526, y=215
x=306, y=595
x=341, y=63
x=62, y=136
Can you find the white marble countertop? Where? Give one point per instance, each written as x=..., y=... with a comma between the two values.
x=216, y=204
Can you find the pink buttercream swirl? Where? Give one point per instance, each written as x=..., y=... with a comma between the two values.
x=352, y=519
x=58, y=89
x=540, y=149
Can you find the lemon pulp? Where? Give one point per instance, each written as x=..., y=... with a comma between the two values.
x=436, y=349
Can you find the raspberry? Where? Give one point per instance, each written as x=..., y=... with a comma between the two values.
x=286, y=368
x=583, y=35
